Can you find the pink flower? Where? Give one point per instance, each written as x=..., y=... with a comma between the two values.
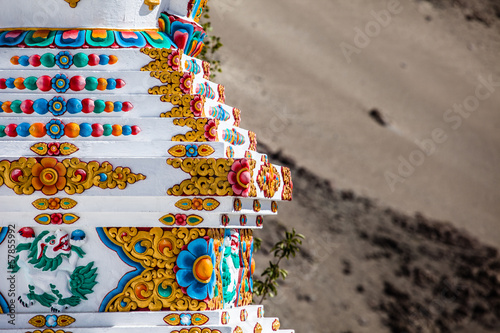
x=180, y=219
x=53, y=149
x=56, y=218
x=211, y=130
x=239, y=177
x=186, y=83
x=197, y=105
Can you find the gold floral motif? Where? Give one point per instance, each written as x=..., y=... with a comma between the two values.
x=209, y=176
x=253, y=188
x=199, y=129
x=258, y=328
x=54, y=203
x=48, y=330
x=174, y=319
x=182, y=150
x=276, y=325
x=208, y=204
x=156, y=288
x=49, y=176
x=178, y=85
x=206, y=70
x=222, y=94
x=62, y=320
x=237, y=117
x=72, y=3
x=268, y=179
x=246, y=297
x=287, y=184
x=253, y=141
x=238, y=330
x=184, y=105
x=164, y=59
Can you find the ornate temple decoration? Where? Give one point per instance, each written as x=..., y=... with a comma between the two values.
x=51, y=320
x=207, y=204
x=287, y=184
x=54, y=203
x=64, y=60
x=268, y=180
x=164, y=59
x=203, y=129
x=181, y=220
x=54, y=148
x=185, y=106
x=151, y=3
x=186, y=319
x=191, y=150
x=211, y=176
x=56, y=218
x=27, y=175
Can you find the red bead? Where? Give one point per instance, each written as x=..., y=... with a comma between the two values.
x=35, y=60
x=27, y=232
x=120, y=83
x=10, y=130
x=97, y=130
x=27, y=106
x=135, y=130
x=93, y=60
x=15, y=174
x=2, y=84
x=44, y=83
x=88, y=105
x=127, y=106
x=77, y=83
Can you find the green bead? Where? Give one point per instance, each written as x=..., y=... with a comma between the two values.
x=48, y=60
x=108, y=129
x=2, y=131
x=91, y=83
x=81, y=60
x=30, y=83
x=15, y=106
x=99, y=106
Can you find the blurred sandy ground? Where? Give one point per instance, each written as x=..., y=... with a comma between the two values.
x=284, y=67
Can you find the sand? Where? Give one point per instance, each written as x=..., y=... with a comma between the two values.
x=397, y=188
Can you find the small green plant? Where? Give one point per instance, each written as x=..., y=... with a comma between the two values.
x=288, y=246
x=212, y=45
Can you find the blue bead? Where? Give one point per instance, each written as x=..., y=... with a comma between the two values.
x=41, y=106
x=111, y=84
x=78, y=235
x=103, y=59
x=118, y=106
x=24, y=60
x=85, y=130
x=74, y=105
x=1, y=110
x=23, y=129
x=10, y=83
x=126, y=130
x=103, y=177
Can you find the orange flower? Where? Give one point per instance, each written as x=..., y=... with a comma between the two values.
x=54, y=203
x=48, y=176
x=197, y=204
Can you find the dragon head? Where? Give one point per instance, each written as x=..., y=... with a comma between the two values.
x=54, y=244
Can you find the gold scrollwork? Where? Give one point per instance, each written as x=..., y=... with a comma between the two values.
x=49, y=176
x=198, y=125
x=72, y=3
x=209, y=176
x=163, y=59
x=287, y=184
x=184, y=105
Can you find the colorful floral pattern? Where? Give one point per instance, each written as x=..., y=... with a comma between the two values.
x=57, y=106
x=211, y=130
x=55, y=128
x=195, y=269
x=239, y=177
x=64, y=60
x=60, y=83
x=49, y=176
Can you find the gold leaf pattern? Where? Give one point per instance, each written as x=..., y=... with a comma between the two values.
x=164, y=59
x=67, y=148
x=40, y=148
x=37, y=321
x=65, y=320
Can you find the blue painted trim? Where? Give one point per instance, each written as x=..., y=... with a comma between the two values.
x=127, y=277
x=3, y=304
x=3, y=234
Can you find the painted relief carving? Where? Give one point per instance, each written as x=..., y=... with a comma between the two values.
x=49, y=261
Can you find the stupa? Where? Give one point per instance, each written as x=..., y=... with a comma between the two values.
x=128, y=191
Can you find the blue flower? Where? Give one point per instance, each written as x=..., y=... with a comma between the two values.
x=57, y=106
x=185, y=319
x=64, y=60
x=51, y=321
x=60, y=83
x=196, y=269
x=55, y=128
x=191, y=150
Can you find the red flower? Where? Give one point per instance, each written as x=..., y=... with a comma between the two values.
x=174, y=60
x=53, y=149
x=197, y=105
x=211, y=130
x=180, y=219
x=239, y=177
x=56, y=218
